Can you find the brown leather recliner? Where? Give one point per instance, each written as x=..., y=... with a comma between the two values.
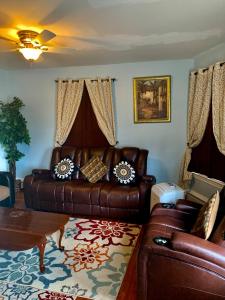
x=105, y=199
x=175, y=264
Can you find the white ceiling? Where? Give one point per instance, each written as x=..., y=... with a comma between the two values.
x=112, y=31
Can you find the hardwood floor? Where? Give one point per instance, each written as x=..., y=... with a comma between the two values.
x=128, y=288
x=19, y=200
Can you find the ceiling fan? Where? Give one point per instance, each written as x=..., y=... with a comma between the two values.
x=31, y=43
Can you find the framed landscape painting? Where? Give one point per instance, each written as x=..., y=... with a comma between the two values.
x=152, y=99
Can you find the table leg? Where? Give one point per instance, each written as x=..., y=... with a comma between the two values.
x=41, y=253
x=61, y=229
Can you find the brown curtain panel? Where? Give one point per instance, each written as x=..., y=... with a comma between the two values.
x=206, y=157
x=100, y=93
x=85, y=131
x=200, y=87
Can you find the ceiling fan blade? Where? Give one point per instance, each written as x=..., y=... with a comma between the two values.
x=45, y=36
x=7, y=51
x=7, y=39
x=5, y=20
x=61, y=50
x=58, y=13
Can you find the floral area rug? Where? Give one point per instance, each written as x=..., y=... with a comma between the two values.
x=93, y=264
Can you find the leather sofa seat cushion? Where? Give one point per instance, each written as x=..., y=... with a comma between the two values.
x=68, y=191
x=76, y=193
x=75, y=197
x=82, y=192
x=104, y=194
x=4, y=192
x=119, y=196
x=43, y=191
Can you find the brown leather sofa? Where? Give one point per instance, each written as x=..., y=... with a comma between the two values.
x=174, y=264
x=105, y=198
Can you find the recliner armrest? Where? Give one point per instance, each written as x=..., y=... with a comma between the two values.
x=188, y=206
x=182, y=209
x=159, y=210
x=198, y=247
x=41, y=173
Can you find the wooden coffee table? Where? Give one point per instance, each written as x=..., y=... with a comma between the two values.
x=24, y=229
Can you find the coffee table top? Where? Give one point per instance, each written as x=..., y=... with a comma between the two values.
x=22, y=229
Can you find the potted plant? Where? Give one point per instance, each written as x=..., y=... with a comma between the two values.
x=13, y=131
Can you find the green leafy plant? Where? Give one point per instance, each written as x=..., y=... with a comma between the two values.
x=13, y=131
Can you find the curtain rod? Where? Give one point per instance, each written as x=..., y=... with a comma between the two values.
x=205, y=69
x=76, y=80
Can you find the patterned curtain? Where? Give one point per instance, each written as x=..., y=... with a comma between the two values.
x=69, y=94
x=100, y=93
x=200, y=91
x=218, y=106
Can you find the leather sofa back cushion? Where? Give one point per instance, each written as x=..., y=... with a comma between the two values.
x=206, y=217
x=110, y=156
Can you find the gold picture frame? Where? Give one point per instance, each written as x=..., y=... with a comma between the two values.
x=152, y=97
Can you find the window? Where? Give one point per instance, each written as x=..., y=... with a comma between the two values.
x=206, y=158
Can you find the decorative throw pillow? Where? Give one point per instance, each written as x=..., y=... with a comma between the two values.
x=64, y=169
x=206, y=217
x=124, y=172
x=94, y=169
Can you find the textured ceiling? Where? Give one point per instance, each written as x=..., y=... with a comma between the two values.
x=112, y=31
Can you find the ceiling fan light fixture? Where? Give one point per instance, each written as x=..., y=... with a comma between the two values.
x=31, y=53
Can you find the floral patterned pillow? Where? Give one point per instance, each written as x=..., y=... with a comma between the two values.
x=64, y=169
x=124, y=173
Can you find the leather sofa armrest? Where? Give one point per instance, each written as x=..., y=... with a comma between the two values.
x=188, y=206
x=145, y=185
x=150, y=179
x=41, y=173
x=198, y=247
